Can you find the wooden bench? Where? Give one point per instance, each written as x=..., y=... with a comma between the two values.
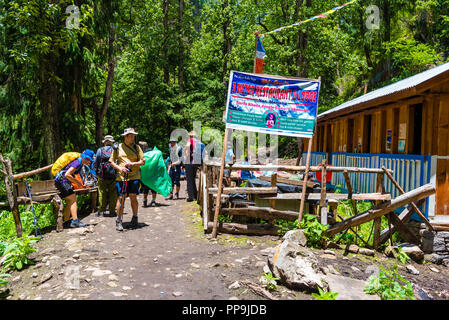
x=45, y=192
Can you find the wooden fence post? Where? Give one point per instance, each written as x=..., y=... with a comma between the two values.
x=11, y=193
x=323, y=204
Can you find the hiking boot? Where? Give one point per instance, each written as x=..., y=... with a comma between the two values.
x=170, y=197
x=153, y=203
x=145, y=203
x=118, y=225
x=112, y=214
x=189, y=200
x=76, y=223
x=176, y=197
x=99, y=214
x=133, y=222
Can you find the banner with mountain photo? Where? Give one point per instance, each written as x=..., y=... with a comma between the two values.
x=272, y=104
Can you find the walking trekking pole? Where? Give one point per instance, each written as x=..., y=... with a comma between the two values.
x=125, y=187
x=36, y=224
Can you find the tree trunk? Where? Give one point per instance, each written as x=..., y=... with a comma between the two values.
x=165, y=44
x=181, y=48
x=49, y=102
x=100, y=114
x=227, y=41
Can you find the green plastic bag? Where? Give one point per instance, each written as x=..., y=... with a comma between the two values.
x=154, y=174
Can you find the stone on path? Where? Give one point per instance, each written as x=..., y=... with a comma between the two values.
x=353, y=248
x=296, y=267
x=413, y=251
x=234, y=285
x=126, y=288
x=434, y=258
x=372, y=270
x=411, y=269
x=119, y=294
x=113, y=277
x=177, y=293
x=296, y=236
x=195, y=265
x=348, y=288
x=434, y=269
x=100, y=273
x=367, y=252
x=112, y=284
x=74, y=244
x=332, y=270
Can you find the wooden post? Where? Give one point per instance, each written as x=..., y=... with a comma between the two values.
x=304, y=186
x=11, y=193
x=323, y=206
x=255, y=50
x=274, y=179
x=220, y=186
x=415, y=208
x=378, y=221
x=59, y=206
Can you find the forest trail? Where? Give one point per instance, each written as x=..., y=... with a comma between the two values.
x=167, y=257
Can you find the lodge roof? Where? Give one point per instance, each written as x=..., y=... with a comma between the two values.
x=402, y=89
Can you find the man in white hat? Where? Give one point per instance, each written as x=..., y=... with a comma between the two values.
x=106, y=177
x=127, y=160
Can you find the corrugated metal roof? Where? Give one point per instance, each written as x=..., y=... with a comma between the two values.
x=391, y=89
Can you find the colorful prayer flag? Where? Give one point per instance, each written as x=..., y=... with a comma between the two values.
x=260, y=57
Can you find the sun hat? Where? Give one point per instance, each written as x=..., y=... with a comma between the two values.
x=108, y=138
x=88, y=154
x=173, y=140
x=129, y=131
x=192, y=133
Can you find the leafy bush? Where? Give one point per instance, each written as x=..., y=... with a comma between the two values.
x=325, y=295
x=390, y=285
x=3, y=281
x=16, y=253
x=285, y=226
x=44, y=216
x=314, y=231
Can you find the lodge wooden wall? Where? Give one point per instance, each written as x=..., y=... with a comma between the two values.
x=420, y=123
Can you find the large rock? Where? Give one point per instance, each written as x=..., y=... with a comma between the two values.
x=413, y=251
x=348, y=288
x=439, y=244
x=296, y=236
x=434, y=258
x=443, y=234
x=296, y=267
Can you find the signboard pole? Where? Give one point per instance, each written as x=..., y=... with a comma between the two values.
x=306, y=175
x=220, y=185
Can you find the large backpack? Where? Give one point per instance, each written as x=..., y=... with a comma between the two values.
x=105, y=169
x=63, y=161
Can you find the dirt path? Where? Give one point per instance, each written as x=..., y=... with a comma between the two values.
x=170, y=257
x=166, y=257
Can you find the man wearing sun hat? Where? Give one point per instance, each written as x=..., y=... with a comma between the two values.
x=107, y=193
x=127, y=160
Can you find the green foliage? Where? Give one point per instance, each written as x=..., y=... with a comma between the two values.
x=270, y=282
x=390, y=285
x=325, y=295
x=16, y=253
x=44, y=216
x=314, y=231
x=284, y=226
x=3, y=281
x=402, y=256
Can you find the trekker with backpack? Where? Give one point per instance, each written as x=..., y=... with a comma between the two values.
x=174, y=165
x=64, y=179
x=193, y=158
x=107, y=192
x=127, y=160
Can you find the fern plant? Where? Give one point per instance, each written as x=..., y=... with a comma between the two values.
x=16, y=253
x=390, y=285
x=325, y=295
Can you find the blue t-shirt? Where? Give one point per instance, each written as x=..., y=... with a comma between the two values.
x=77, y=164
x=229, y=154
x=244, y=174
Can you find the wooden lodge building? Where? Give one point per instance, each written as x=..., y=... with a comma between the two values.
x=403, y=126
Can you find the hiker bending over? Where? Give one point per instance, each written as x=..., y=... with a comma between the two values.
x=174, y=168
x=107, y=193
x=63, y=182
x=144, y=188
x=127, y=160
